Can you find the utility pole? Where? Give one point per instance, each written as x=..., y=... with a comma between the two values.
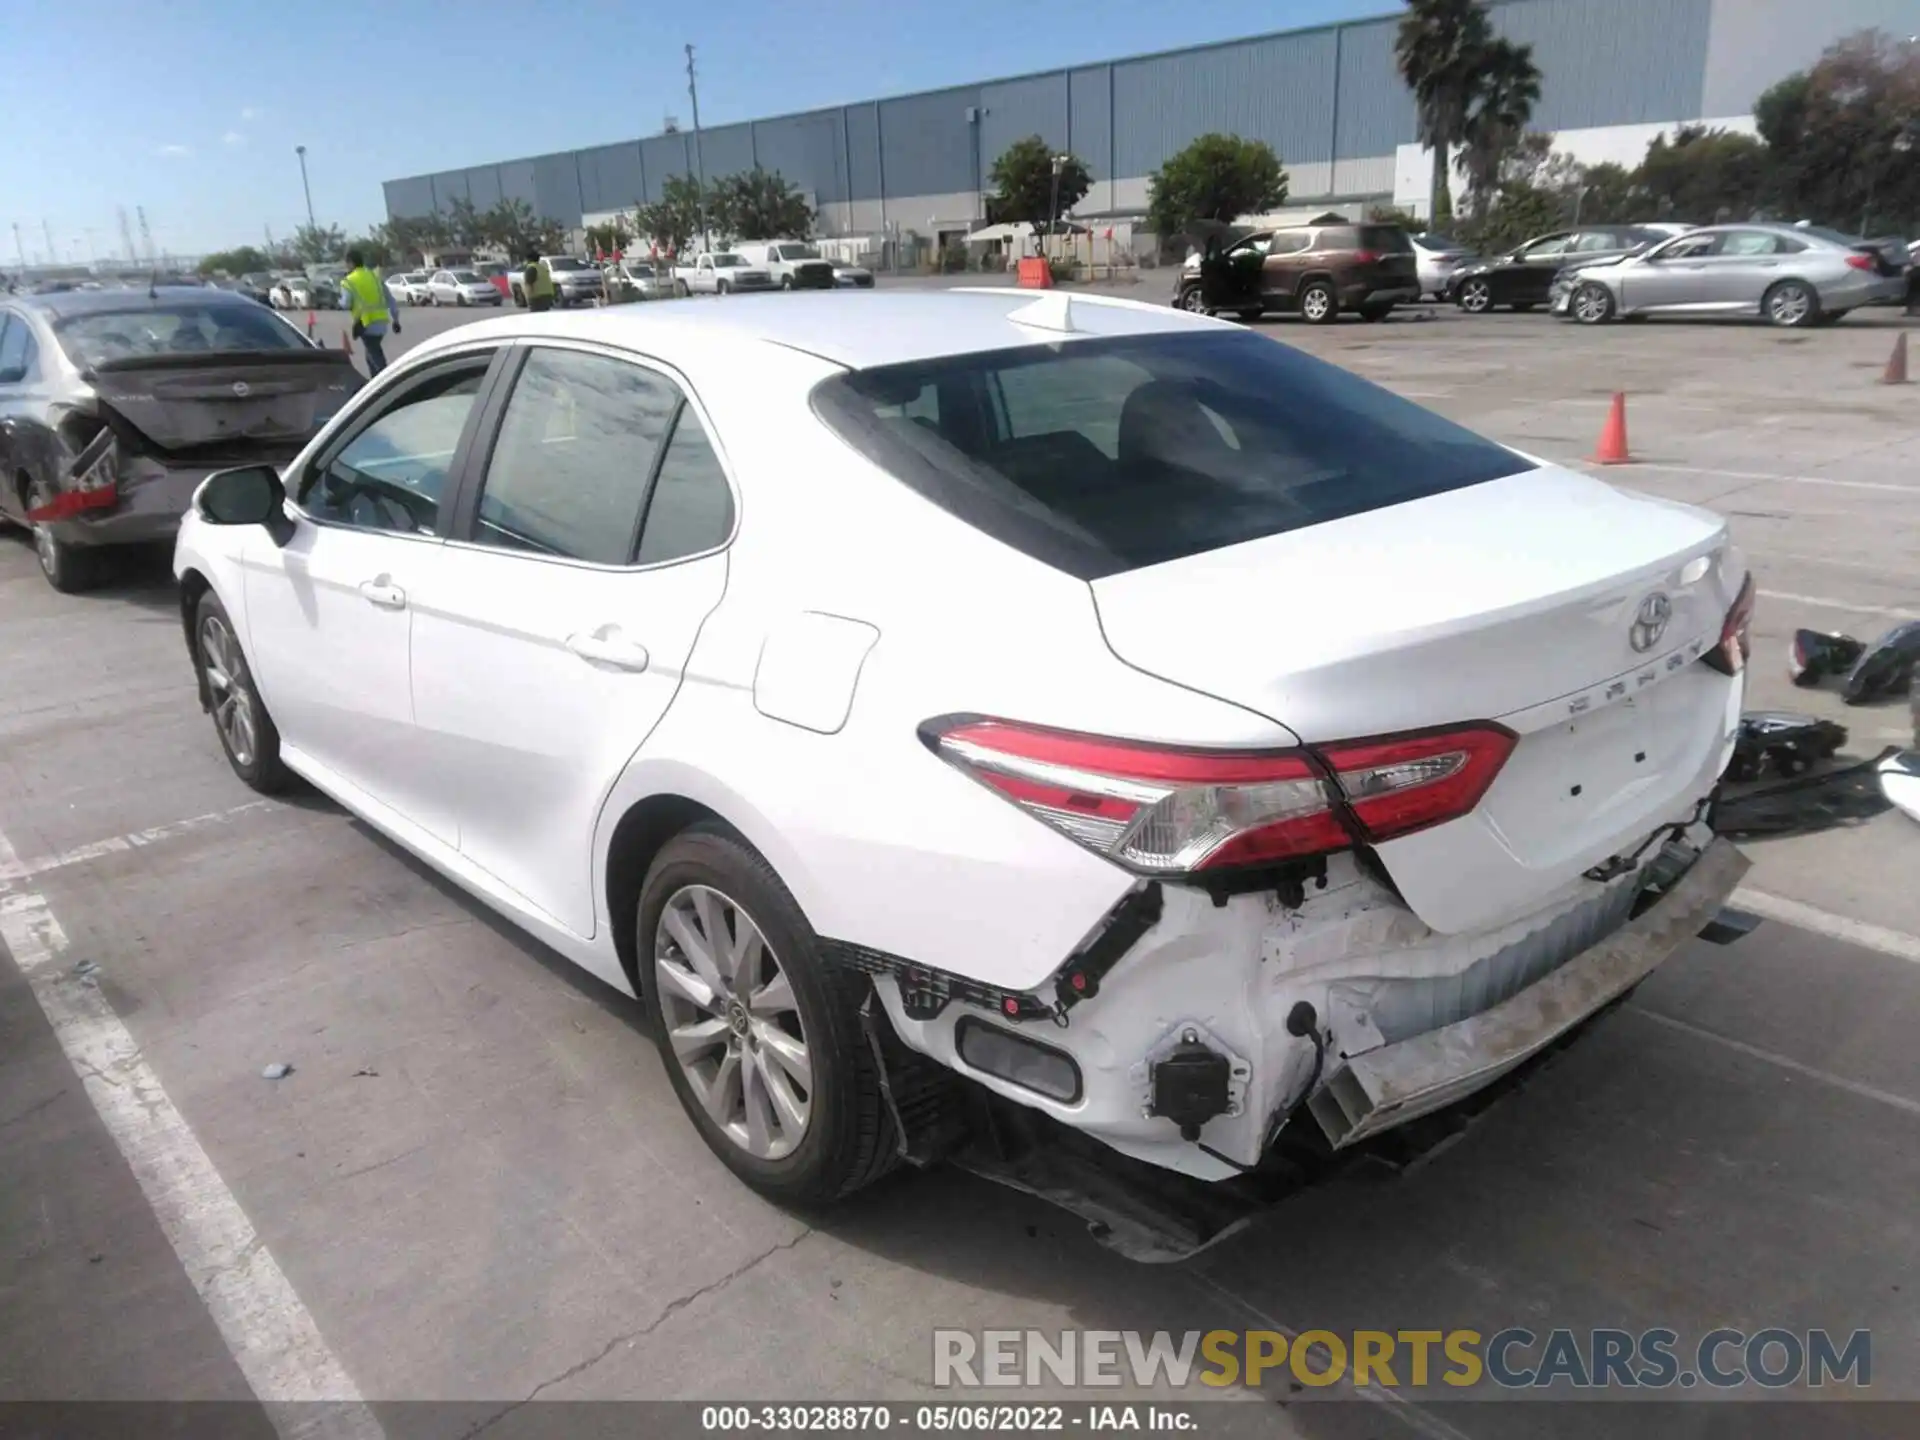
x=53, y=255
x=126, y=235
x=307, y=189
x=93, y=251
x=146, y=233
x=19, y=246
x=699, y=162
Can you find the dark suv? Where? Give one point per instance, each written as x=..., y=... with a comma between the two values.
x=1318, y=270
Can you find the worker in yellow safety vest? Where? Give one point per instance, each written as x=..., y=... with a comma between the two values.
x=367, y=303
x=538, y=281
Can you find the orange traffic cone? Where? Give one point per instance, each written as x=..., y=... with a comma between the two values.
x=1897, y=363
x=1612, y=449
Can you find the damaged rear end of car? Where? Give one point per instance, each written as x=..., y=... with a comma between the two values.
x=1500, y=696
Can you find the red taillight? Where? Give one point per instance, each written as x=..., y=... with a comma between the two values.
x=1365, y=257
x=1729, y=657
x=1860, y=262
x=1166, y=811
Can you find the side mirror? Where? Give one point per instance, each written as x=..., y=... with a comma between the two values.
x=13, y=375
x=248, y=495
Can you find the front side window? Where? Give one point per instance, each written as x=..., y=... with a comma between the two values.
x=16, y=346
x=577, y=447
x=1688, y=247
x=391, y=474
x=1545, y=249
x=1101, y=456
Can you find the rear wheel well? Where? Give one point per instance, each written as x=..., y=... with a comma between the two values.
x=636, y=840
x=1310, y=277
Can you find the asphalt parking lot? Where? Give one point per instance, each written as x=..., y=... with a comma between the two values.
x=476, y=1184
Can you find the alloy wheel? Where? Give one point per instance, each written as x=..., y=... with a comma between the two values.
x=730, y=1015
x=1789, y=305
x=232, y=701
x=1476, y=296
x=45, y=548
x=1315, y=304
x=1590, y=304
x=1194, y=302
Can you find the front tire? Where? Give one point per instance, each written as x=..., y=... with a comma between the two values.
x=1791, y=304
x=786, y=282
x=1192, y=301
x=721, y=288
x=1592, y=304
x=1318, y=304
x=1475, y=297
x=761, y=1036
x=68, y=568
x=247, y=733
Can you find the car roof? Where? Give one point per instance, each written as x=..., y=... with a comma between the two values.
x=58, y=305
x=855, y=329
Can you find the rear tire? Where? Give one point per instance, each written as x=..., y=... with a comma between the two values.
x=68, y=568
x=1318, y=304
x=1474, y=296
x=723, y=1040
x=246, y=731
x=1791, y=304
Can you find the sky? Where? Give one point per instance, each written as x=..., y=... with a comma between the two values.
x=192, y=109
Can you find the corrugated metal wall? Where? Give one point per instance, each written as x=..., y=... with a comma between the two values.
x=1753, y=43
x=1330, y=101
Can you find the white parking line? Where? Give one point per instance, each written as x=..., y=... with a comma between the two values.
x=272, y=1337
x=1825, y=1077
x=119, y=844
x=1892, y=612
x=1896, y=943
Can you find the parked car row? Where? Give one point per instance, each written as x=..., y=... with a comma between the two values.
x=1786, y=274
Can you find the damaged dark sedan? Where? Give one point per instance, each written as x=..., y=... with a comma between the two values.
x=115, y=404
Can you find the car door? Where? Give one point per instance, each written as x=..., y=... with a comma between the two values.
x=1285, y=259
x=1744, y=265
x=559, y=622
x=1674, y=276
x=329, y=615
x=1527, y=280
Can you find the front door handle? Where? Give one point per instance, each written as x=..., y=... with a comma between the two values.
x=384, y=593
x=606, y=646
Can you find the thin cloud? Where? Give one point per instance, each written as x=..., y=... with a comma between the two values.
x=250, y=112
x=233, y=139
x=175, y=152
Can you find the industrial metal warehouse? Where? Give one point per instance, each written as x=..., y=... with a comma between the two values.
x=1329, y=100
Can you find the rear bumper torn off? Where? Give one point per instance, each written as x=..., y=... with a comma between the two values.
x=1379, y=1089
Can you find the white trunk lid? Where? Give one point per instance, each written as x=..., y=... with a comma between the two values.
x=1515, y=600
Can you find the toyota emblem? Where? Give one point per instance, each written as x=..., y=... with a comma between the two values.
x=242, y=389
x=1650, y=621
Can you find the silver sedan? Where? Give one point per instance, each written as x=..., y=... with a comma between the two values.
x=1786, y=274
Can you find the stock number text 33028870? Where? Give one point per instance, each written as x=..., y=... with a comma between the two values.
x=978, y=1419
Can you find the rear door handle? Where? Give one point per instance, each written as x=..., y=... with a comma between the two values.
x=608, y=649
x=384, y=593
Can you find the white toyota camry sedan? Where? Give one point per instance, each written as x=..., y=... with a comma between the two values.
x=1123, y=719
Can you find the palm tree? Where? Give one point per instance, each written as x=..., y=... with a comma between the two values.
x=1438, y=49
x=1506, y=88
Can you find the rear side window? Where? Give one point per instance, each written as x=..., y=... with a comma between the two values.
x=568, y=474
x=1101, y=456
x=1389, y=239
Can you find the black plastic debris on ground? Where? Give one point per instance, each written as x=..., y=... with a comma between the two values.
x=1879, y=671
x=1779, y=781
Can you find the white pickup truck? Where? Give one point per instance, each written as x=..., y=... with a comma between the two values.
x=720, y=272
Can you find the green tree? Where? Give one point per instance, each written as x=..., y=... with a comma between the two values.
x=316, y=244
x=373, y=246
x=511, y=225
x=1702, y=175
x=1439, y=49
x=1611, y=192
x=463, y=224
x=615, y=235
x=1217, y=177
x=1023, y=183
x=247, y=260
x=1844, y=137
x=758, y=204
x=673, y=221
x=1506, y=88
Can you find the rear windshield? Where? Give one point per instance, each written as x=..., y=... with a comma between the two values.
x=1101, y=456
x=796, y=252
x=176, y=329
